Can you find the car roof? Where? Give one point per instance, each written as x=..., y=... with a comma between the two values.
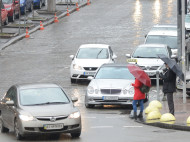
x=152, y=45
x=35, y=85
x=94, y=46
x=163, y=32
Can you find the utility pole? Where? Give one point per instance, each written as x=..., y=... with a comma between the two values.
x=183, y=48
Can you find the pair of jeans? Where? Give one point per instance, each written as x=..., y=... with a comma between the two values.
x=141, y=102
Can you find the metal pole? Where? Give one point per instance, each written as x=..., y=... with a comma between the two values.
x=183, y=48
x=157, y=85
x=19, y=18
x=0, y=16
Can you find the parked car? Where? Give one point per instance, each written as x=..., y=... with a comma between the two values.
x=39, y=3
x=26, y=5
x=110, y=86
x=4, y=15
x=159, y=27
x=187, y=22
x=12, y=6
x=162, y=36
x=145, y=55
x=179, y=83
x=88, y=59
x=31, y=109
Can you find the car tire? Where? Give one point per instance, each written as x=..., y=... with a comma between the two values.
x=89, y=106
x=2, y=128
x=31, y=6
x=12, y=18
x=73, y=80
x=16, y=131
x=75, y=135
x=6, y=22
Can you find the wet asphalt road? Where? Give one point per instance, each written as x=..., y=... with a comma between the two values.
x=45, y=58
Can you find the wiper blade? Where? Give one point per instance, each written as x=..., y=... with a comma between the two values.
x=99, y=53
x=46, y=103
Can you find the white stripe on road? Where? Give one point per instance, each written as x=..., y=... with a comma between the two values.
x=132, y=126
x=102, y=127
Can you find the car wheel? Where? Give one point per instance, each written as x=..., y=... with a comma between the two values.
x=12, y=18
x=6, y=22
x=2, y=128
x=17, y=131
x=73, y=80
x=75, y=135
x=31, y=6
x=89, y=106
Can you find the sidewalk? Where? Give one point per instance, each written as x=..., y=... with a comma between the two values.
x=182, y=112
x=44, y=16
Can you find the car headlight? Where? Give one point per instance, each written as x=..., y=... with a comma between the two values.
x=76, y=67
x=90, y=90
x=131, y=91
x=74, y=115
x=26, y=117
x=9, y=8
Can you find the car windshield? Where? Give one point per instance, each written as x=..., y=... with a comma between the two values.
x=7, y=1
x=171, y=41
x=92, y=53
x=114, y=73
x=40, y=96
x=149, y=52
x=187, y=18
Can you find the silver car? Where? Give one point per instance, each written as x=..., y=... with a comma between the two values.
x=39, y=109
x=110, y=86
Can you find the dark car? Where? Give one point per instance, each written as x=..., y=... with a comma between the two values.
x=26, y=5
x=39, y=3
x=12, y=6
x=4, y=14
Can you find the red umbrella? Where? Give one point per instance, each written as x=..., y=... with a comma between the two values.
x=139, y=74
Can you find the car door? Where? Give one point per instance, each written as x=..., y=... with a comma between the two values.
x=8, y=113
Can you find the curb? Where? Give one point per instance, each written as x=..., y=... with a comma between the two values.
x=51, y=21
x=166, y=126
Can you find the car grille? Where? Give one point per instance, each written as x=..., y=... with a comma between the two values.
x=110, y=91
x=90, y=68
x=149, y=67
x=53, y=118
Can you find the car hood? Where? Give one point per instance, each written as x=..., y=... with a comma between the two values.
x=111, y=83
x=48, y=110
x=149, y=62
x=90, y=62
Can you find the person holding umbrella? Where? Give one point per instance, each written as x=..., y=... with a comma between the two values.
x=169, y=86
x=140, y=78
x=169, y=79
x=138, y=98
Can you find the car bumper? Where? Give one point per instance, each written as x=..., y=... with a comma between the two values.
x=100, y=100
x=82, y=74
x=37, y=127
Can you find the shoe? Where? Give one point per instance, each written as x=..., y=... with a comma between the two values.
x=164, y=98
x=134, y=116
x=140, y=115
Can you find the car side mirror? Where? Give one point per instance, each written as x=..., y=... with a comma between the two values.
x=90, y=78
x=71, y=56
x=74, y=99
x=128, y=55
x=10, y=103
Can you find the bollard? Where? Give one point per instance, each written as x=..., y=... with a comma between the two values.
x=157, y=85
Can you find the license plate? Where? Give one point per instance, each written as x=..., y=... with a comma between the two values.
x=89, y=73
x=132, y=60
x=110, y=97
x=53, y=126
x=150, y=73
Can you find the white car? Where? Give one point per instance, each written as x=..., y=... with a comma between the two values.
x=88, y=59
x=167, y=35
x=110, y=86
x=145, y=56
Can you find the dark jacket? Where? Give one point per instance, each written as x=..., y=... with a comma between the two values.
x=169, y=81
